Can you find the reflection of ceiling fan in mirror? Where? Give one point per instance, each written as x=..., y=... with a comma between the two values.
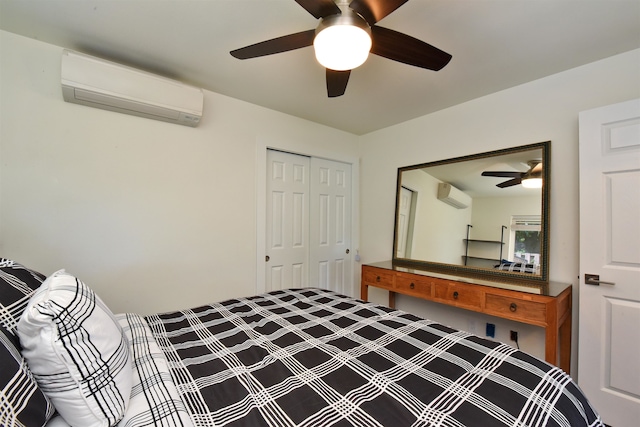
x=530, y=179
x=345, y=36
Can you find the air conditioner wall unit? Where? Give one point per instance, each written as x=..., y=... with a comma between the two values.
x=452, y=196
x=94, y=82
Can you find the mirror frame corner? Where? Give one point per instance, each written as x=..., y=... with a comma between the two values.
x=475, y=272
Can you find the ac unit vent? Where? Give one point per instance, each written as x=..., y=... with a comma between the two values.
x=452, y=196
x=109, y=86
x=120, y=104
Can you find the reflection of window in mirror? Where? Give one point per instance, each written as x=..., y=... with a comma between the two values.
x=524, y=240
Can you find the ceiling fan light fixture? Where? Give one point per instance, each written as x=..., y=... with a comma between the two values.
x=532, y=182
x=342, y=42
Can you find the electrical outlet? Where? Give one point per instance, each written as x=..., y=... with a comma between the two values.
x=491, y=330
x=514, y=336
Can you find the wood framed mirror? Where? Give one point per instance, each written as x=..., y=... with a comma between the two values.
x=477, y=215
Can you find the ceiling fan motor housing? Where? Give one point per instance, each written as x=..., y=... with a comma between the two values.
x=347, y=17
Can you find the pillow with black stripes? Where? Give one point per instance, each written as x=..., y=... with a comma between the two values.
x=17, y=284
x=77, y=352
x=22, y=403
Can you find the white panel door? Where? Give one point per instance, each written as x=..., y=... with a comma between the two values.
x=404, y=220
x=330, y=238
x=609, y=333
x=287, y=240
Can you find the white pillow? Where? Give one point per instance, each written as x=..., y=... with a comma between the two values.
x=77, y=352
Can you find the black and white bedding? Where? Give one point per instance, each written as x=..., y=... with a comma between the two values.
x=518, y=267
x=310, y=357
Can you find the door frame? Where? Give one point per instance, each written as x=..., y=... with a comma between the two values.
x=262, y=146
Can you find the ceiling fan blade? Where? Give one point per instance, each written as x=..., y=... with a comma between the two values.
x=406, y=49
x=277, y=45
x=500, y=174
x=374, y=10
x=337, y=82
x=510, y=183
x=319, y=8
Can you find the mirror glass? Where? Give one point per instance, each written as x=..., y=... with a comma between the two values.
x=483, y=215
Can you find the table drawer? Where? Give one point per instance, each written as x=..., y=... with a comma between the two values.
x=516, y=308
x=413, y=285
x=378, y=277
x=459, y=295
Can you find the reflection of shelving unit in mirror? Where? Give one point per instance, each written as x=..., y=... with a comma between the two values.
x=475, y=246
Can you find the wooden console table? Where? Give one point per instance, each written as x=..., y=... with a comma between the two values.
x=547, y=306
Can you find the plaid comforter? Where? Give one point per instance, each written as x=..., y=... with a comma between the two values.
x=311, y=357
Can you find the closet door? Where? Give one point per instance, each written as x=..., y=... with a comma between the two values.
x=330, y=221
x=287, y=239
x=308, y=223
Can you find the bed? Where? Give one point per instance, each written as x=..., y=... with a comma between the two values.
x=518, y=267
x=294, y=357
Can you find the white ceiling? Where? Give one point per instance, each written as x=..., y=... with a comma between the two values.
x=496, y=44
x=466, y=175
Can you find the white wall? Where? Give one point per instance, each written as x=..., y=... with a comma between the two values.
x=491, y=213
x=435, y=221
x=152, y=215
x=541, y=110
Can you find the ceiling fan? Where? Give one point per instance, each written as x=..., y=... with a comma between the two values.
x=530, y=179
x=345, y=36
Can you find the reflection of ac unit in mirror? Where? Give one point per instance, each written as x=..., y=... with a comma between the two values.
x=109, y=86
x=452, y=196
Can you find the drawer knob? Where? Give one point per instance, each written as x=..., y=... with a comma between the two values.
x=378, y=279
x=412, y=285
x=455, y=295
x=513, y=306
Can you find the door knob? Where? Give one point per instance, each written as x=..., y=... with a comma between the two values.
x=594, y=279
x=347, y=250
x=266, y=258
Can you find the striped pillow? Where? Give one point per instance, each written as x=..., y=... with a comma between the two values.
x=77, y=352
x=17, y=284
x=21, y=401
